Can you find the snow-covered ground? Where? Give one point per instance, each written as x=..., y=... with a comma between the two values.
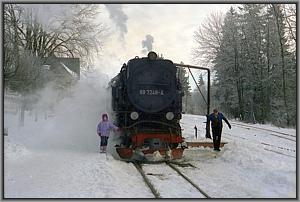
x=36, y=166
x=58, y=158
x=244, y=168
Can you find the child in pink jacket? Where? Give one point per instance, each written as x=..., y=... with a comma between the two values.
x=103, y=130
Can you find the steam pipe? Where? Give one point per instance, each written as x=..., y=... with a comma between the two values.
x=208, y=81
x=208, y=92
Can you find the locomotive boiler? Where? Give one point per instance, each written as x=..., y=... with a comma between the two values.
x=147, y=104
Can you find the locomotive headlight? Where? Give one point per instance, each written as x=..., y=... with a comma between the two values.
x=152, y=55
x=134, y=115
x=170, y=116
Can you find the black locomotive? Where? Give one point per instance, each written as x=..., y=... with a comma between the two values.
x=147, y=101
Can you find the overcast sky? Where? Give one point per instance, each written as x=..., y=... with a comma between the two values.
x=134, y=29
x=167, y=29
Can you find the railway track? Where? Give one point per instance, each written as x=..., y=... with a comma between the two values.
x=155, y=191
x=263, y=129
x=270, y=145
x=282, y=148
x=229, y=136
x=282, y=135
x=277, y=152
x=138, y=166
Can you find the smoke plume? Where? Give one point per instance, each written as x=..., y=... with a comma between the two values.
x=117, y=14
x=147, y=44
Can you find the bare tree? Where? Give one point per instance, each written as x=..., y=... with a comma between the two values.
x=77, y=36
x=27, y=43
x=12, y=23
x=208, y=39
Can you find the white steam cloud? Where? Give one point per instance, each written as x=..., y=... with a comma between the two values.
x=73, y=126
x=47, y=14
x=117, y=14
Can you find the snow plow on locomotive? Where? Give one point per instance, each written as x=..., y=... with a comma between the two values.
x=147, y=104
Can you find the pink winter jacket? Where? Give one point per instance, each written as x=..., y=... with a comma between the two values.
x=104, y=128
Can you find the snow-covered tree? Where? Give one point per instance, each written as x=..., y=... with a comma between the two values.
x=186, y=88
x=255, y=68
x=28, y=43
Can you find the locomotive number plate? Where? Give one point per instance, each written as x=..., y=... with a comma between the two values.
x=151, y=92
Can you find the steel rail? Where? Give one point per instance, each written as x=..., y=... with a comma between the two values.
x=187, y=179
x=146, y=180
x=170, y=164
x=245, y=125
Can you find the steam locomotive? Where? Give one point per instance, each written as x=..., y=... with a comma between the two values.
x=147, y=103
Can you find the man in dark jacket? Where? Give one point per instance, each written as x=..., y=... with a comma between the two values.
x=216, y=126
